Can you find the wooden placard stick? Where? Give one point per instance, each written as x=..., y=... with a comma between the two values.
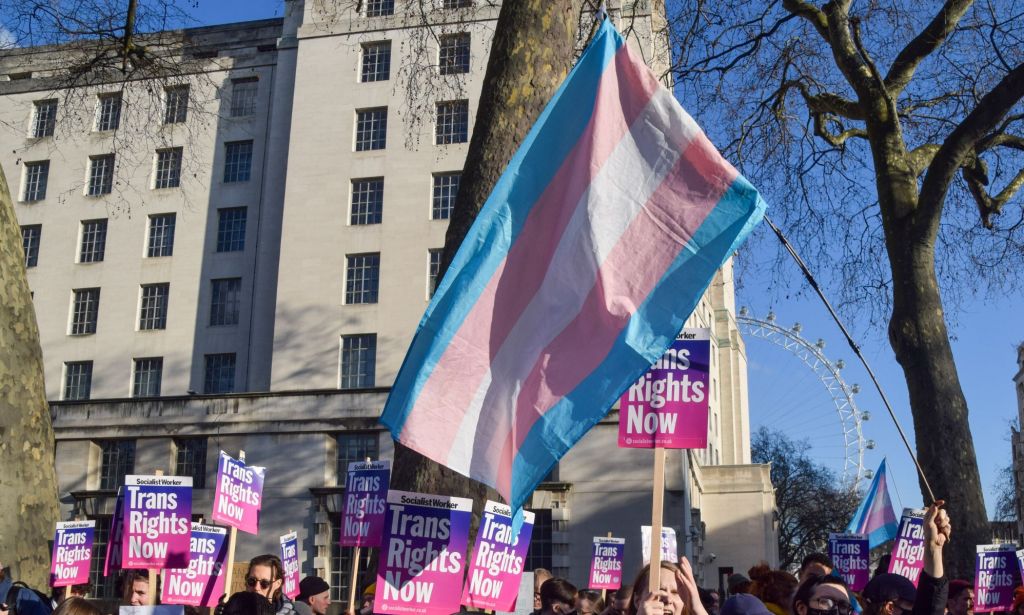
x=657, y=508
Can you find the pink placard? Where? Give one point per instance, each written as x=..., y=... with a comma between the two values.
x=72, y=553
x=157, y=522
x=908, y=550
x=606, y=563
x=239, y=494
x=290, y=561
x=496, y=567
x=202, y=583
x=668, y=406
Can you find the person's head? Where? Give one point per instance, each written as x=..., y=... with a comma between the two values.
x=618, y=602
x=136, y=588
x=672, y=599
x=772, y=586
x=557, y=597
x=738, y=584
x=1018, y=602
x=248, y=603
x=366, y=607
x=822, y=595
x=588, y=602
x=539, y=576
x=315, y=592
x=815, y=563
x=76, y=605
x=265, y=576
x=961, y=598
x=744, y=604
x=889, y=594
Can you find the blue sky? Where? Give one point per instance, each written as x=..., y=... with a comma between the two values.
x=985, y=337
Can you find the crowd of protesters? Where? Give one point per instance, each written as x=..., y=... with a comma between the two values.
x=816, y=589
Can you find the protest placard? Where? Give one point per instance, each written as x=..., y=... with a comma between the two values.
x=202, y=583
x=112, y=558
x=366, y=495
x=606, y=563
x=423, y=554
x=996, y=574
x=908, y=550
x=850, y=554
x=668, y=406
x=239, y=495
x=668, y=544
x=157, y=522
x=499, y=555
x=290, y=562
x=151, y=610
x=72, y=553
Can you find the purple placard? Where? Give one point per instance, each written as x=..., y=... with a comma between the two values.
x=995, y=576
x=850, y=554
x=423, y=553
x=366, y=496
x=202, y=583
x=72, y=553
x=908, y=550
x=239, y=494
x=669, y=547
x=498, y=558
x=112, y=558
x=157, y=522
x=606, y=563
x=290, y=562
x=668, y=406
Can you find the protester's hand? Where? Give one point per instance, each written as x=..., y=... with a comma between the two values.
x=688, y=587
x=4, y=610
x=654, y=605
x=937, y=526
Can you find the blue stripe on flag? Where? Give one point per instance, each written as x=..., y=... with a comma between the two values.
x=500, y=221
x=648, y=334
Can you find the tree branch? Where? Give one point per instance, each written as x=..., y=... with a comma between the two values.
x=809, y=12
x=838, y=139
x=922, y=45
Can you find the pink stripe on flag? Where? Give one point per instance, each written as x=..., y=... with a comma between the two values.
x=623, y=94
x=677, y=209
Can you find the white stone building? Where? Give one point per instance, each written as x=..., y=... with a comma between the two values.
x=251, y=281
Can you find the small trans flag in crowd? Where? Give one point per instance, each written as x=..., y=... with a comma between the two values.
x=584, y=263
x=875, y=517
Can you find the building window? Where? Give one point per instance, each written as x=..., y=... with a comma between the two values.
x=44, y=118
x=371, y=129
x=362, y=278
x=77, y=380
x=84, y=311
x=341, y=562
x=161, y=235
x=176, y=104
x=191, y=460
x=367, y=200
x=168, y=168
x=452, y=122
x=456, y=4
x=380, y=8
x=117, y=460
x=376, y=61
x=153, y=306
x=30, y=236
x=358, y=361
x=101, y=175
x=225, y=301
x=454, y=54
x=433, y=268
x=243, y=96
x=147, y=377
x=355, y=446
x=231, y=229
x=108, y=115
x=237, y=161
x=94, y=241
x=219, y=376
x=540, y=551
x=446, y=187
x=101, y=586
x=36, y=176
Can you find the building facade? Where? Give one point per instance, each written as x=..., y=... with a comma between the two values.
x=251, y=281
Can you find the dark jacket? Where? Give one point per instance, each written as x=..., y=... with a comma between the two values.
x=931, y=595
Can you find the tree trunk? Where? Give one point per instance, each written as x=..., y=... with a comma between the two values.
x=945, y=448
x=531, y=54
x=28, y=482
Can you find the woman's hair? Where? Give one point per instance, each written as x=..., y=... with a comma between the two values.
x=640, y=587
x=77, y=606
x=276, y=570
x=769, y=585
x=248, y=603
x=806, y=589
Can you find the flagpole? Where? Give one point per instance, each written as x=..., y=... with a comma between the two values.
x=657, y=508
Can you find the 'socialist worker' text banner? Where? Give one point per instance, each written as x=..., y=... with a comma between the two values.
x=290, y=563
x=668, y=406
x=995, y=577
x=423, y=555
x=606, y=565
x=157, y=522
x=498, y=560
x=366, y=494
x=72, y=553
x=908, y=550
x=202, y=583
x=239, y=496
x=849, y=553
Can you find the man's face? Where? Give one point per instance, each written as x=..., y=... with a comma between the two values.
x=618, y=607
x=140, y=592
x=261, y=580
x=320, y=603
x=963, y=604
x=538, y=580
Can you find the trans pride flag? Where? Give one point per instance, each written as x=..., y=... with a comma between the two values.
x=582, y=266
x=875, y=517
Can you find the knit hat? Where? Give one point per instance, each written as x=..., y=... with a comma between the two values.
x=744, y=604
x=370, y=590
x=888, y=586
x=311, y=586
